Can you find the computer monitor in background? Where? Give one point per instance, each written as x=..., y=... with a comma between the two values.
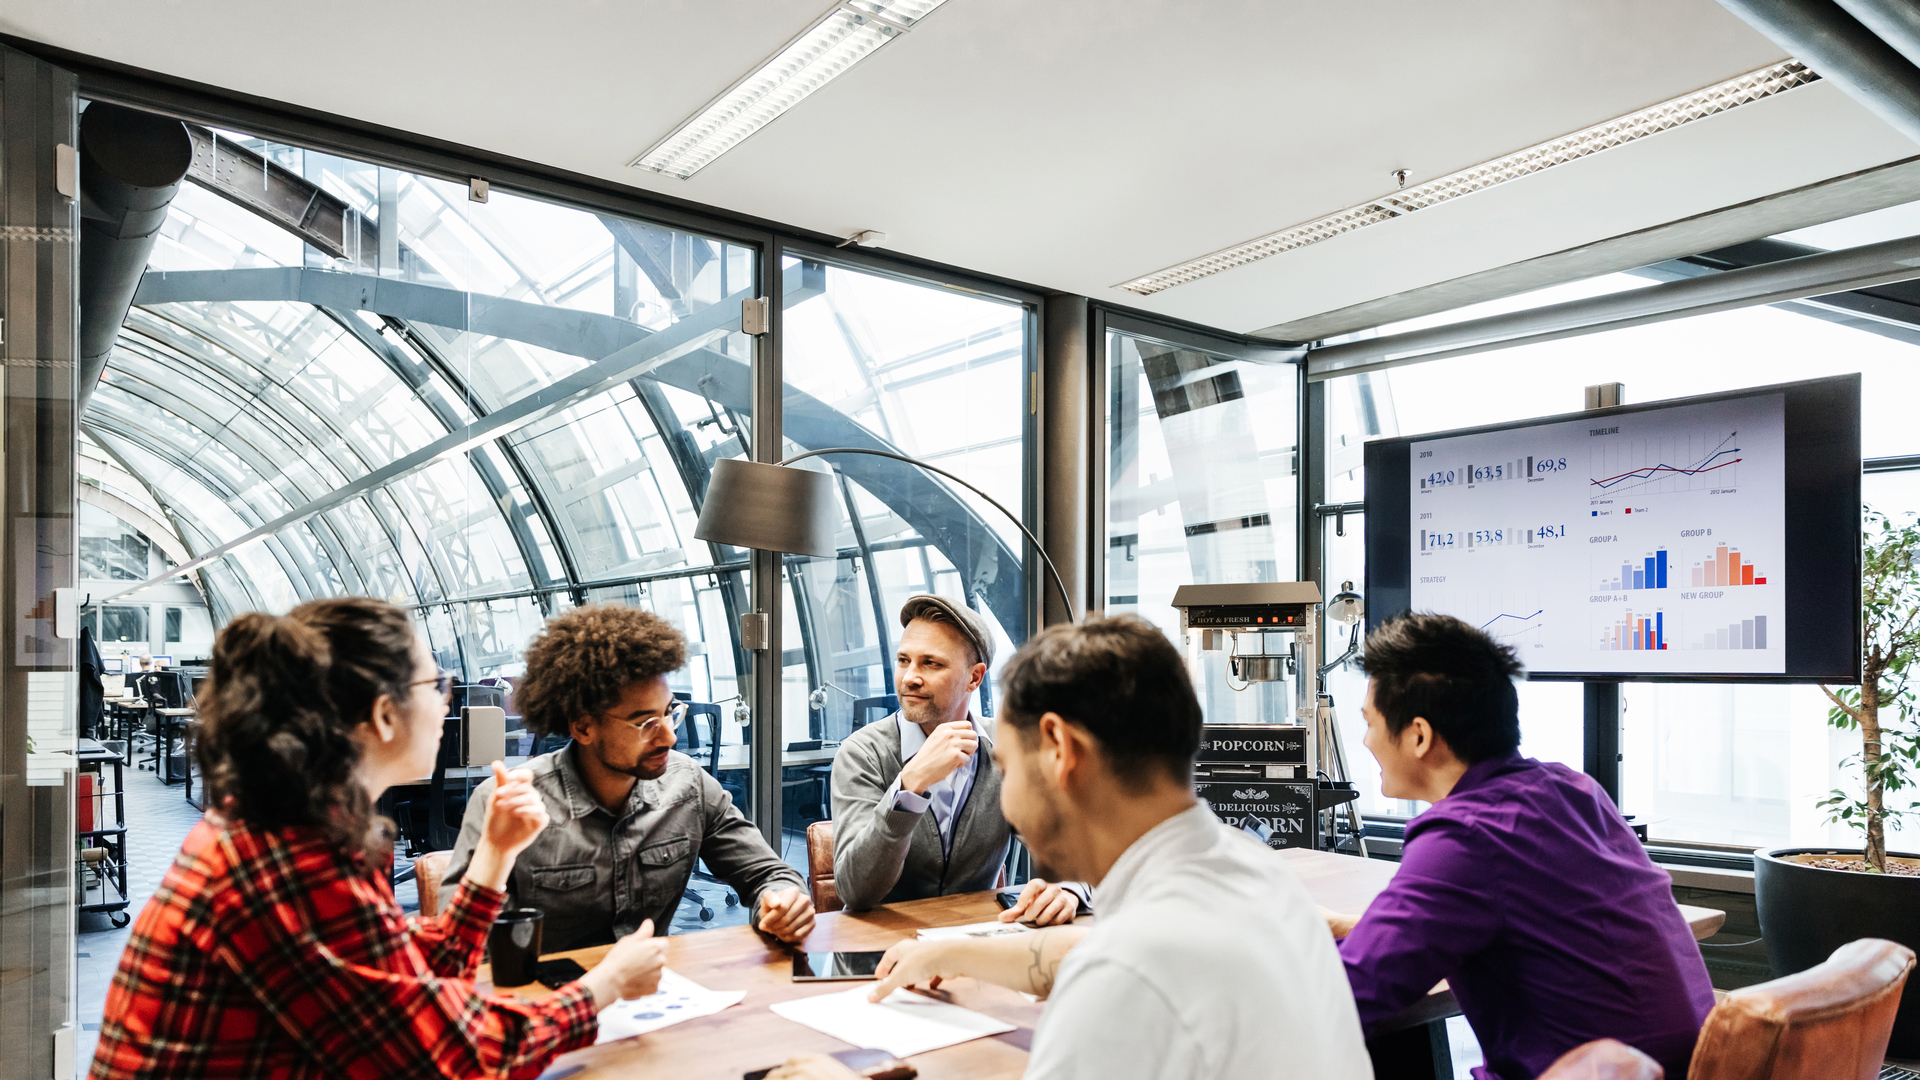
x=112, y=666
x=162, y=662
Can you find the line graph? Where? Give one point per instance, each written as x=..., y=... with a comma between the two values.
x=1518, y=617
x=1648, y=465
x=1492, y=626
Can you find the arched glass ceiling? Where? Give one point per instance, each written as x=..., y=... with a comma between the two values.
x=256, y=375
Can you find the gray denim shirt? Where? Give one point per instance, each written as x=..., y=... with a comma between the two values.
x=597, y=875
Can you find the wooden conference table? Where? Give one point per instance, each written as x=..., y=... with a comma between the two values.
x=749, y=1036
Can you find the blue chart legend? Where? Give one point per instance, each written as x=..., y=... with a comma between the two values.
x=1649, y=573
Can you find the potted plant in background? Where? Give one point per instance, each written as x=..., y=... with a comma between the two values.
x=1813, y=900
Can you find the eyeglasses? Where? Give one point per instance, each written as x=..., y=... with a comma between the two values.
x=672, y=719
x=442, y=683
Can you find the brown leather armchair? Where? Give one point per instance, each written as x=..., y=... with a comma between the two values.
x=1604, y=1059
x=428, y=869
x=820, y=867
x=1829, y=1022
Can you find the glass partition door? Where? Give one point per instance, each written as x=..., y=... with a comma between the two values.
x=882, y=362
x=1202, y=483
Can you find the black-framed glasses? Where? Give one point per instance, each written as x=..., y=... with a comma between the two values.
x=442, y=683
x=672, y=719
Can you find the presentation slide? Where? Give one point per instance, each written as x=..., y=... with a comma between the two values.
x=1644, y=543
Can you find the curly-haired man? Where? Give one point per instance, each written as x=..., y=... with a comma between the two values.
x=629, y=816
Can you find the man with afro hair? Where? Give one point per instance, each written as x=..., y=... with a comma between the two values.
x=630, y=816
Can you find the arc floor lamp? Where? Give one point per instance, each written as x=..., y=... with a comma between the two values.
x=777, y=507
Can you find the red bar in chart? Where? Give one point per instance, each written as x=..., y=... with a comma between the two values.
x=1725, y=567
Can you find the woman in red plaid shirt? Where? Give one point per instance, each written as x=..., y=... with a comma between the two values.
x=274, y=947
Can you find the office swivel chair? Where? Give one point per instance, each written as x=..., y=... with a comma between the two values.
x=705, y=752
x=868, y=709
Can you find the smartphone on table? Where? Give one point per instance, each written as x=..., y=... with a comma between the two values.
x=554, y=974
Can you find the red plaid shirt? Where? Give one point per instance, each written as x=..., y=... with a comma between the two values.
x=268, y=953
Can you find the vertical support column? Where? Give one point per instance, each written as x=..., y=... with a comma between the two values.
x=39, y=270
x=1313, y=486
x=1067, y=498
x=768, y=598
x=1600, y=736
x=1600, y=723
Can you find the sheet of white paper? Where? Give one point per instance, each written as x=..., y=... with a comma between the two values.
x=973, y=930
x=904, y=1024
x=679, y=998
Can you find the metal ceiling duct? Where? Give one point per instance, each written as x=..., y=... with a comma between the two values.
x=1788, y=279
x=1820, y=34
x=131, y=165
x=1896, y=22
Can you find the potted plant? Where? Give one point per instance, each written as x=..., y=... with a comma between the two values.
x=1812, y=900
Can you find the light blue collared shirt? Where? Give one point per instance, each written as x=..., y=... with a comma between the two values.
x=944, y=798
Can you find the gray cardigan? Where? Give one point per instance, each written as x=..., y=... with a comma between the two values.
x=882, y=855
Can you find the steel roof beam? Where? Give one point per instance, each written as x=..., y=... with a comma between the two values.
x=620, y=351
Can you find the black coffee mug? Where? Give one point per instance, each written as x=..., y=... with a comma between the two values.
x=513, y=945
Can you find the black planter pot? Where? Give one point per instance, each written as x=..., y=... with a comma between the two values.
x=1807, y=912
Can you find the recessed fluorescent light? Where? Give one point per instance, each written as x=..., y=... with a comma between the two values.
x=835, y=42
x=1665, y=116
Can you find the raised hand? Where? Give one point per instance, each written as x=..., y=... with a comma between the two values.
x=946, y=749
x=515, y=812
x=631, y=969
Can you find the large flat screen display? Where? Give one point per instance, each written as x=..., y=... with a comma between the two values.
x=1713, y=537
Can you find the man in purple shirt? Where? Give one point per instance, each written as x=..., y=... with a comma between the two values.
x=1522, y=886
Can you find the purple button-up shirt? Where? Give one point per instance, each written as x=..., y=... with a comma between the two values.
x=1528, y=893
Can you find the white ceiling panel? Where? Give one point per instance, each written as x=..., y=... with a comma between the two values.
x=1071, y=144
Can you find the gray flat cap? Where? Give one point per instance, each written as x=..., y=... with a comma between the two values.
x=971, y=624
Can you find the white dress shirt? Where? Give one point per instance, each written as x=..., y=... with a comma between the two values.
x=944, y=798
x=1208, y=961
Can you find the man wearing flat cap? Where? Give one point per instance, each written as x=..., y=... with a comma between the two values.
x=916, y=796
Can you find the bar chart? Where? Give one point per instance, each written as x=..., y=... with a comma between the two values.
x=1648, y=573
x=1490, y=472
x=1745, y=634
x=1725, y=567
x=1636, y=633
x=1495, y=536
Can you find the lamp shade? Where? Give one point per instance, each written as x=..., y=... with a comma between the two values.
x=752, y=504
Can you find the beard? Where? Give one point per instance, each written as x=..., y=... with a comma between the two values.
x=636, y=769
x=924, y=712
x=1042, y=829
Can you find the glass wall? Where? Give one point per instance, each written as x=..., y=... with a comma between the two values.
x=492, y=411
x=1724, y=764
x=879, y=362
x=1203, y=485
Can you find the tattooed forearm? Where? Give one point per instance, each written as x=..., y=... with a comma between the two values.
x=1040, y=968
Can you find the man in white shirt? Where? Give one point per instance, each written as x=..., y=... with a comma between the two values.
x=1208, y=959
x=916, y=801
